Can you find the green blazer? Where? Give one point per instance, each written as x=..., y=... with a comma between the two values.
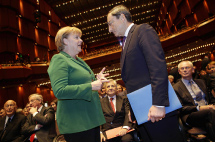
x=78, y=108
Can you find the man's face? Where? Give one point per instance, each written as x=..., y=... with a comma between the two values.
x=10, y=108
x=116, y=26
x=186, y=70
x=111, y=89
x=34, y=102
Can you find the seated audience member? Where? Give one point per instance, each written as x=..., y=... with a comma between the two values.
x=207, y=78
x=171, y=79
x=54, y=104
x=205, y=61
x=25, y=111
x=115, y=109
x=40, y=124
x=196, y=73
x=202, y=73
x=19, y=110
x=2, y=113
x=28, y=107
x=121, y=91
x=102, y=92
x=193, y=96
x=174, y=73
x=11, y=124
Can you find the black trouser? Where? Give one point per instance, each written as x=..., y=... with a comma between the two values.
x=92, y=135
x=165, y=130
x=203, y=118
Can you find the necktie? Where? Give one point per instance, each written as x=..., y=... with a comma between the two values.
x=112, y=105
x=198, y=94
x=8, y=121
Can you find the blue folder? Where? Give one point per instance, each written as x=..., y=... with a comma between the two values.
x=141, y=101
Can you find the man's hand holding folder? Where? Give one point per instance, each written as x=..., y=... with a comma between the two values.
x=156, y=113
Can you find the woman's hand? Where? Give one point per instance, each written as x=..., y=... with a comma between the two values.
x=97, y=85
x=101, y=75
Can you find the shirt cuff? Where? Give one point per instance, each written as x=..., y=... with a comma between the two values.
x=198, y=107
x=36, y=127
x=34, y=114
x=158, y=106
x=126, y=127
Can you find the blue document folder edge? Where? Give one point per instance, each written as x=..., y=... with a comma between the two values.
x=141, y=101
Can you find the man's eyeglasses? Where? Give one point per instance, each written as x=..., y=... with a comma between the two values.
x=185, y=68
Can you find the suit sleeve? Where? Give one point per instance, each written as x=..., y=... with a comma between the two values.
x=46, y=118
x=151, y=48
x=28, y=128
x=58, y=72
x=126, y=121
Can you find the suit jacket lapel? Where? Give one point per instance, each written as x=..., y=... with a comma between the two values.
x=108, y=106
x=10, y=125
x=118, y=104
x=128, y=39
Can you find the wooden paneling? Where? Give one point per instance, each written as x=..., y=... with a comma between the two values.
x=8, y=42
x=27, y=28
x=8, y=20
x=28, y=10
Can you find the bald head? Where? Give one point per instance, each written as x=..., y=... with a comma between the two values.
x=10, y=107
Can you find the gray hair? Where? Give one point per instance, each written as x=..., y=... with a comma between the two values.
x=37, y=96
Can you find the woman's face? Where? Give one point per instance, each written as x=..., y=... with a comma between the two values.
x=73, y=44
x=54, y=106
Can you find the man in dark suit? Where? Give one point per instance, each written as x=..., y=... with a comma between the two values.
x=116, y=109
x=142, y=63
x=194, y=98
x=11, y=124
x=40, y=124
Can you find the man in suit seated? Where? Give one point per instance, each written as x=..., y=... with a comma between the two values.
x=196, y=110
x=40, y=124
x=115, y=109
x=11, y=124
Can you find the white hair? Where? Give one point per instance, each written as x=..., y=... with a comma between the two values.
x=189, y=62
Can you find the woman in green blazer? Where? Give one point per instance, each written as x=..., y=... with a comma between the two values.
x=79, y=112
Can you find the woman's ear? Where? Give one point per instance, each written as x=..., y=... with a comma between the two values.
x=65, y=41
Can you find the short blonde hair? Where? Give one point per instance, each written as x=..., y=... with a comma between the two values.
x=37, y=96
x=170, y=76
x=64, y=33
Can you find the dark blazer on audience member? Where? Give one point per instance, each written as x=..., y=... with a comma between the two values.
x=186, y=99
x=13, y=131
x=45, y=117
x=120, y=118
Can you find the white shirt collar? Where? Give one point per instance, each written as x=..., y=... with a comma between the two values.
x=114, y=97
x=40, y=108
x=128, y=29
